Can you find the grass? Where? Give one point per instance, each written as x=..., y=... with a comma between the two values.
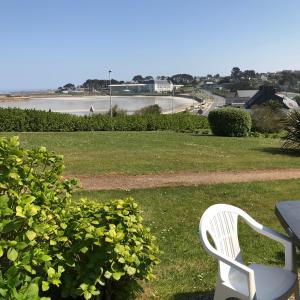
x=91, y=153
x=186, y=271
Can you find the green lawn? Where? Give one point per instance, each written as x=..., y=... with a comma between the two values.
x=90, y=153
x=173, y=215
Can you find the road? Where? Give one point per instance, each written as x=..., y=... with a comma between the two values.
x=218, y=101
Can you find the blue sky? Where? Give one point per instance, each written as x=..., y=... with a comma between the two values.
x=45, y=44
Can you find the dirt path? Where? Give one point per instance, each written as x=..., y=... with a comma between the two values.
x=128, y=182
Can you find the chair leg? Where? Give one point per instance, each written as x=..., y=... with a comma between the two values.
x=297, y=296
x=219, y=294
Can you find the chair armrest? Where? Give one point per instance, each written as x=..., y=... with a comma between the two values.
x=276, y=236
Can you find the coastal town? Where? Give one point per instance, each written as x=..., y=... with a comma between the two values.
x=149, y=150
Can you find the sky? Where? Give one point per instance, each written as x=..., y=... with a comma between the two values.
x=46, y=44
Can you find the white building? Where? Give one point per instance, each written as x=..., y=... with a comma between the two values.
x=161, y=86
x=150, y=86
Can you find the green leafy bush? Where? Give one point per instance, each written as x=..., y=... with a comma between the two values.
x=116, y=111
x=33, y=197
x=229, y=122
x=110, y=249
x=34, y=120
x=292, y=126
x=149, y=110
x=50, y=247
x=268, y=118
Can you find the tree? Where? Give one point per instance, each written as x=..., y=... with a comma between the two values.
x=97, y=84
x=235, y=73
x=69, y=86
x=249, y=73
x=149, y=78
x=268, y=118
x=138, y=78
x=182, y=79
x=162, y=77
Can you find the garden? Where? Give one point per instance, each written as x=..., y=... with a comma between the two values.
x=61, y=242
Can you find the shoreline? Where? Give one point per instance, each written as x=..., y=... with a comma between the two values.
x=181, y=103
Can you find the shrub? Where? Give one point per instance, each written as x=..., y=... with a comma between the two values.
x=292, y=125
x=149, y=110
x=229, y=122
x=110, y=249
x=32, y=201
x=268, y=118
x=116, y=111
x=34, y=120
x=50, y=247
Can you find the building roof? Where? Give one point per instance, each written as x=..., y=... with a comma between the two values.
x=246, y=93
x=288, y=102
x=267, y=93
x=162, y=81
x=128, y=84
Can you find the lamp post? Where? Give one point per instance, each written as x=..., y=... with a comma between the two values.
x=110, y=103
x=173, y=100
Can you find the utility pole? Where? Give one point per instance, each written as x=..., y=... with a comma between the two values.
x=173, y=100
x=110, y=103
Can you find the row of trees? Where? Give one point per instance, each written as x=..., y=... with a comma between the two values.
x=250, y=79
x=184, y=79
x=99, y=84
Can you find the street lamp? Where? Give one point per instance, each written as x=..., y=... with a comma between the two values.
x=173, y=100
x=110, y=103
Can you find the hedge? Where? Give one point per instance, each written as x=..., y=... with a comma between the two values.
x=229, y=122
x=14, y=119
x=52, y=247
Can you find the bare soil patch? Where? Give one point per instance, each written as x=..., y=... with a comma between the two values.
x=128, y=182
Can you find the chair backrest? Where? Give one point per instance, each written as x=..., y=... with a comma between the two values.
x=219, y=222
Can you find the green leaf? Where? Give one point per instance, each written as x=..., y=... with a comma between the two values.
x=32, y=292
x=130, y=270
x=42, y=149
x=62, y=239
x=29, y=269
x=19, y=212
x=45, y=286
x=117, y=275
x=56, y=281
x=3, y=292
x=107, y=274
x=21, y=245
x=12, y=226
x=87, y=295
x=1, y=251
x=84, y=249
x=14, y=176
x=84, y=286
x=31, y=235
x=12, y=254
x=51, y=272
x=63, y=225
x=46, y=258
x=14, y=141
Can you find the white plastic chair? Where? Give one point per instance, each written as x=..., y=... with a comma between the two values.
x=235, y=279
